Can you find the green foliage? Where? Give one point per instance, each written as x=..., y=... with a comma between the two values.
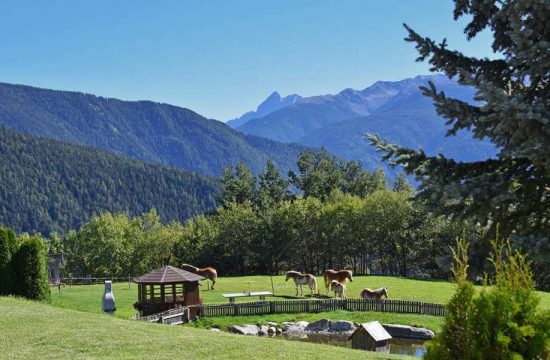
x=49, y=186
x=512, y=110
x=238, y=185
x=272, y=188
x=119, y=246
x=503, y=321
x=31, y=269
x=8, y=248
x=320, y=173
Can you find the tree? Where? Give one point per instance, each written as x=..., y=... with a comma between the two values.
x=239, y=184
x=401, y=184
x=272, y=188
x=31, y=269
x=511, y=109
x=8, y=248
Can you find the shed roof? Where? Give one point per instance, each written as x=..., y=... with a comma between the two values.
x=375, y=330
x=167, y=275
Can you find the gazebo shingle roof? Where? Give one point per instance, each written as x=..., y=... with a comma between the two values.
x=167, y=275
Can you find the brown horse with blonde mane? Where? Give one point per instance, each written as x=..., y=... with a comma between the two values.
x=374, y=294
x=341, y=276
x=207, y=272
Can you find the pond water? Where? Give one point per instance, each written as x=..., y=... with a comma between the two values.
x=396, y=346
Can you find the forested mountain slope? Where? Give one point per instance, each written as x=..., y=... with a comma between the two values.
x=141, y=129
x=49, y=186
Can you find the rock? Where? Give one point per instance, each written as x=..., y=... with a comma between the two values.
x=271, y=323
x=263, y=330
x=287, y=324
x=244, y=330
x=408, y=332
x=300, y=326
x=278, y=331
x=318, y=326
x=271, y=330
x=215, y=330
x=341, y=326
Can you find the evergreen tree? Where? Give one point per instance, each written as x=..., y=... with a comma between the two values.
x=401, y=184
x=272, y=188
x=238, y=184
x=512, y=109
x=31, y=270
x=8, y=247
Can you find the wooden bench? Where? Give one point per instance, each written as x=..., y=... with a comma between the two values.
x=260, y=294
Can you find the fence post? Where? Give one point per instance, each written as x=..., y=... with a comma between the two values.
x=272, y=307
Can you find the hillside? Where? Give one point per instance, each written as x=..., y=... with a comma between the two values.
x=273, y=103
x=410, y=121
x=31, y=330
x=49, y=186
x=143, y=130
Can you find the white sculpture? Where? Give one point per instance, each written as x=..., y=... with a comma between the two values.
x=108, y=301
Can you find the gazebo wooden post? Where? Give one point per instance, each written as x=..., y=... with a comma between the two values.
x=162, y=292
x=174, y=296
x=152, y=292
x=143, y=292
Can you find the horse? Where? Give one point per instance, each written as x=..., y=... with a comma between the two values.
x=338, y=288
x=208, y=273
x=374, y=294
x=339, y=276
x=302, y=279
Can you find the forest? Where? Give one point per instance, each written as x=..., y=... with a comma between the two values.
x=329, y=213
x=47, y=186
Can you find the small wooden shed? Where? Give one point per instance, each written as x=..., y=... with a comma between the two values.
x=167, y=288
x=370, y=336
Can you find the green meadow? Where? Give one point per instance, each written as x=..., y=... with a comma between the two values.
x=88, y=298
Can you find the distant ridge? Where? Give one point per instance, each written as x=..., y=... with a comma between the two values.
x=144, y=130
x=273, y=103
x=395, y=109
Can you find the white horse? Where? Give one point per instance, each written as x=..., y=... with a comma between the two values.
x=338, y=288
x=302, y=279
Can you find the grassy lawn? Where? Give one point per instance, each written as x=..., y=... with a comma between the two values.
x=88, y=297
x=31, y=330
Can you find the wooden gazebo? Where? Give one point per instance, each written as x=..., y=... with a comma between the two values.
x=166, y=288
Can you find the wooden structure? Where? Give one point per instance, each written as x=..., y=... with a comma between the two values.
x=322, y=305
x=370, y=336
x=260, y=294
x=167, y=288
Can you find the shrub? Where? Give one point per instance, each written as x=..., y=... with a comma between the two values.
x=8, y=247
x=30, y=266
x=502, y=321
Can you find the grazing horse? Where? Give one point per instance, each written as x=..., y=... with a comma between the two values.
x=339, y=276
x=208, y=273
x=338, y=288
x=302, y=279
x=374, y=294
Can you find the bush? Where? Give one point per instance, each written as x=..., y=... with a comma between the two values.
x=31, y=270
x=502, y=321
x=8, y=247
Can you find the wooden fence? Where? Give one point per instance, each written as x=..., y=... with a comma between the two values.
x=321, y=305
x=181, y=315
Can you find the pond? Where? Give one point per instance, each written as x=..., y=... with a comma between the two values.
x=396, y=346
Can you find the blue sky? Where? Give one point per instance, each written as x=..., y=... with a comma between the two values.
x=218, y=58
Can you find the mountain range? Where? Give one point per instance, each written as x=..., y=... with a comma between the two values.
x=144, y=130
x=397, y=111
